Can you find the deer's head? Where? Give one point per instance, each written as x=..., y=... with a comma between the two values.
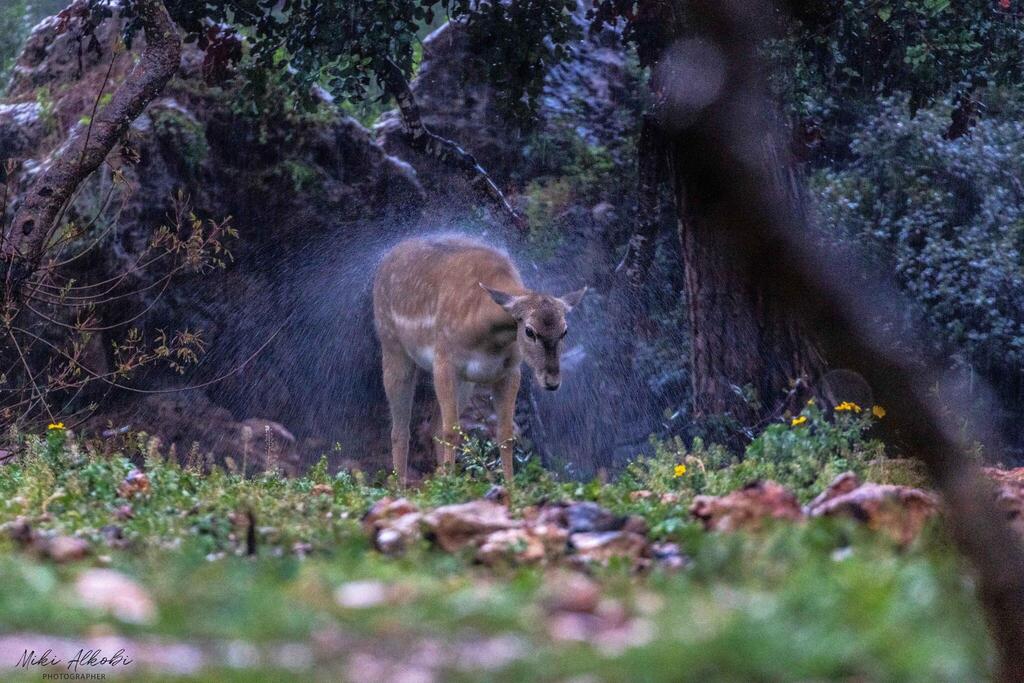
x=541, y=329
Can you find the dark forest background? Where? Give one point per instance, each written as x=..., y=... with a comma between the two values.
x=906, y=138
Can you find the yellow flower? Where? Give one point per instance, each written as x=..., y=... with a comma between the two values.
x=848, y=405
x=55, y=425
x=798, y=421
x=878, y=411
x=810, y=401
x=680, y=471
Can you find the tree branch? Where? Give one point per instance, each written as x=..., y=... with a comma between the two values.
x=442, y=149
x=83, y=153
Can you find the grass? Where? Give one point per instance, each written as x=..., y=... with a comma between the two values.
x=819, y=601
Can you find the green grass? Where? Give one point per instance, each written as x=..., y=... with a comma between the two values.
x=820, y=601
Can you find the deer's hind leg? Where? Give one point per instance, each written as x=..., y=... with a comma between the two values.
x=399, y=386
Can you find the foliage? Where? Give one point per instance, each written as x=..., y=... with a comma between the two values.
x=947, y=214
x=817, y=601
x=182, y=133
x=12, y=33
x=836, y=61
x=804, y=453
x=53, y=366
x=351, y=46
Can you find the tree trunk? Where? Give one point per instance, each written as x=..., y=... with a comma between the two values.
x=749, y=360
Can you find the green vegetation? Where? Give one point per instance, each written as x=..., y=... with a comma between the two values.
x=825, y=599
x=179, y=131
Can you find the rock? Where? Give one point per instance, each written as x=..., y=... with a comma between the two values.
x=640, y=495
x=571, y=592
x=668, y=556
x=136, y=483
x=455, y=526
x=396, y=537
x=21, y=128
x=20, y=530
x=511, y=546
x=295, y=185
x=65, y=548
x=589, y=517
x=393, y=525
x=601, y=546
x=361, y=594
x=114, y=536
x=524, y=545
x=1009, y=494
x=844, y=483
x=497, y=494
x=110, y=591
x=747, y=508
x=899, y=511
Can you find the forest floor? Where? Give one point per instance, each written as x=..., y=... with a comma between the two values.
x=216, y=576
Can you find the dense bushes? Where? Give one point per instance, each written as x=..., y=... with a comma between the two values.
x=948, y=214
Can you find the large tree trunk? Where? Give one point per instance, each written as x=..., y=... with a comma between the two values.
x=749, y=360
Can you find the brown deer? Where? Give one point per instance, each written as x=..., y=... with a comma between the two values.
x=457, y=308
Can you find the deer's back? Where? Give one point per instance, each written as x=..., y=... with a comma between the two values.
x=427, y=293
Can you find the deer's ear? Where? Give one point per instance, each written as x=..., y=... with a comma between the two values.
x=572, y=299
x=503, y=299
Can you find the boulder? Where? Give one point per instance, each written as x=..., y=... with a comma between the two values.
x=899, y=511
x=453, y=527
x=748, y=508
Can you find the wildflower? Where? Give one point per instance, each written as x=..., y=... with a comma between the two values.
x=798, y=421
x=55, y=425
x=848, y=405
x=680, y=471
x=878, y=411
x=810, y=401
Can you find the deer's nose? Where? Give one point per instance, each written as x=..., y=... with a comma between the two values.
x=552, y=385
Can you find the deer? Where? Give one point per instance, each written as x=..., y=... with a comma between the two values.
x=457, y=308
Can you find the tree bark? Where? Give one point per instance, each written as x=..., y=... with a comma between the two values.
x=89, y=145
x=740, y=339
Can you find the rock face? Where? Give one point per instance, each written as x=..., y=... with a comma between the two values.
x=312, y=195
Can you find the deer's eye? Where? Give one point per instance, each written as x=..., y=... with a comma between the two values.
x=530, y=334
x=564, y=332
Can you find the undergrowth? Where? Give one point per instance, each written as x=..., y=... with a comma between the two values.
x=821, y=600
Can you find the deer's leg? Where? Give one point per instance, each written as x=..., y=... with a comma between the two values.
x=505, y=392
x=399, y=385
x=446, y=389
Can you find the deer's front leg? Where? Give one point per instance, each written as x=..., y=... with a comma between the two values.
x=446, y=390
x=505, y=394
